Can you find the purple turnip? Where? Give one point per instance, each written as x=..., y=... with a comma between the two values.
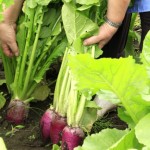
x=57, y=126
x=17, y=111
x=45, y=124
x=72, y=137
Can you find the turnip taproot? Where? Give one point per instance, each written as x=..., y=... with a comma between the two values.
x=17, y=111
x=57, y=127
x=72, y=137
x=45, y=124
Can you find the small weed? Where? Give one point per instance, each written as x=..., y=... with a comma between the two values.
x=31, y=137
x=13, y=130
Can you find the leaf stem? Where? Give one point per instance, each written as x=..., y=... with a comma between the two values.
x=80, y=109
x=61, y=99
x=72, y=105
x=22, y=61
x=32, y=57
x=60, y=79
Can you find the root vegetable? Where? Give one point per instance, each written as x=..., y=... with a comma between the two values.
x=72, y=137
x=45, y=124
x=17, y=111
x=57, y=127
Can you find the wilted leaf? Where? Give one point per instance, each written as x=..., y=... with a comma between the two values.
x=41, y=92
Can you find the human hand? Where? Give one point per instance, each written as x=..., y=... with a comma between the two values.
x=8, y=39
x=106, y=32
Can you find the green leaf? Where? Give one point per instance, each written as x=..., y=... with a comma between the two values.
x=31, y=4
x=87, y=2
x=44, y=2
x=2, y=100
x=57, y=29
x=76, y=24
x=121, y=76
x=55, y=147
x=49, y=16
x=57, y=52
x=45, y=32
x=34, y=3
x=41, y=92
x=2, y=144
x=84, y=7
x=7, y=2
x=91, y=104
x=127, y=142
x=142, y=130
x=103, y=140
x=145, y=148
x=89, y=116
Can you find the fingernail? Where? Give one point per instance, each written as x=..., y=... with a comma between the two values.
x=16, y=54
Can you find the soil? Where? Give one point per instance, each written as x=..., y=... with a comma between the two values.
x=27, y=136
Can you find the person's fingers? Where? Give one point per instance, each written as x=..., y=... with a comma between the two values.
x=91, y=40
x=14, y=48
x=6, y=50
x=102, y=43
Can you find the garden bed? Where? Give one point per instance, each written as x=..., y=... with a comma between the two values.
x=29, y=137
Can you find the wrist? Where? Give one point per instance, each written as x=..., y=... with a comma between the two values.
x=112, y=23
x=8, y=22
x=8, y=18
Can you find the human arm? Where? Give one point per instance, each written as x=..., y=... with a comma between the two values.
x=7, y=29
x=116, y=10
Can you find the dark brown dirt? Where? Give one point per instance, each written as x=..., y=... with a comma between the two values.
x=28, y=137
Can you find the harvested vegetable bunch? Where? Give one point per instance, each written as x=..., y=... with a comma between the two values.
x=39, y=38
x=77, y=26
x=54, y=119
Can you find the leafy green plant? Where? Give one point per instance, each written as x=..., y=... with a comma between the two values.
x=123, y=82
x=39, y=37
x=79, y=21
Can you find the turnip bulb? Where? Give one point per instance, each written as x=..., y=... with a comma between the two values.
x=17, y=111
x=45, y=124
x=57, y=127
x=72, y=137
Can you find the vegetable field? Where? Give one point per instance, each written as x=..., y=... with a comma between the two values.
x=47, y=92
